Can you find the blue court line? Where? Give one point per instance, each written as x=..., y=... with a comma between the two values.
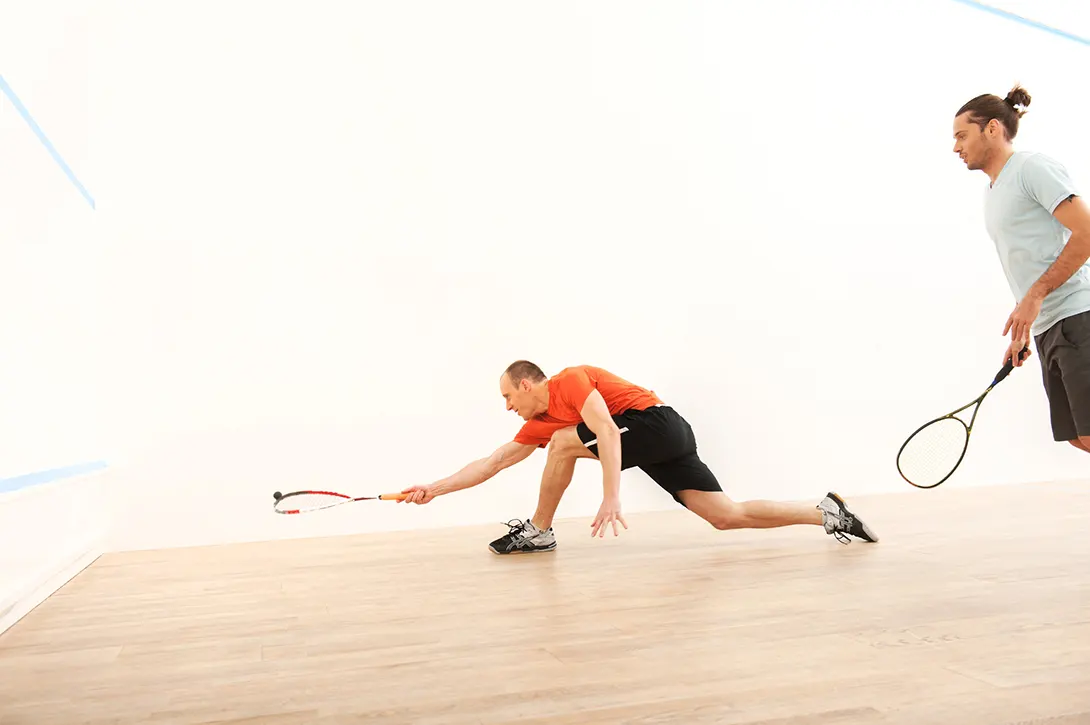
x=45, y=141
x=33, y=479
x=1024, y=21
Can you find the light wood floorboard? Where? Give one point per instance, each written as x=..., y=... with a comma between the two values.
x=974, y=608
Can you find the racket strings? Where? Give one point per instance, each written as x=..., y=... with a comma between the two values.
x=932, y=454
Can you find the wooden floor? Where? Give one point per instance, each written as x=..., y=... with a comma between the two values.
x=974, y=608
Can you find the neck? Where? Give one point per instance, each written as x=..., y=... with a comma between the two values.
x=543, y=397
x=995, y=166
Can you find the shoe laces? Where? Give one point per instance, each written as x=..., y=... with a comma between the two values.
x=842, y=523
x=515, y=527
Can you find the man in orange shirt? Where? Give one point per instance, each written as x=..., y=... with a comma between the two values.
x=588, y=412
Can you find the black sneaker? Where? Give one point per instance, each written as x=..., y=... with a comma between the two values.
x=841, y=523
x=524, y=538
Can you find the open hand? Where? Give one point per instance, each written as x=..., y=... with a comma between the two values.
x=1018, y=325
x=609, y=513
x=418, y=494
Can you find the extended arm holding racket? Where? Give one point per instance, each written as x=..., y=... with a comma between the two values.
x=472, y=474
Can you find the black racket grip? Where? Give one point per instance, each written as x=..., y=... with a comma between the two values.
x=1009, y=366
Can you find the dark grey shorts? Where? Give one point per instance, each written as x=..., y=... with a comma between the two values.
x=1065, y=364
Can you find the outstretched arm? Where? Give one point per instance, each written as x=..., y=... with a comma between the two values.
x=473, y=473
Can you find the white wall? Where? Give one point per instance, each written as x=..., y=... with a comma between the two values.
x=50, y=370
x=327, y=230
x=48, y=533
x=52, y=391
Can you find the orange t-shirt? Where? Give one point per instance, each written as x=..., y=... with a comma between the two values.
x=568, y=391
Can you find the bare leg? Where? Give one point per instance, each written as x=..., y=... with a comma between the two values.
x=554, y=482
x=564, y=449
x=1082, y=443
x=717, y=509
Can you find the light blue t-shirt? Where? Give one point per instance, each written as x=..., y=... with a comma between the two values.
x=1018, y=215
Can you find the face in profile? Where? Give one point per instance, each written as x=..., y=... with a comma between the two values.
x=519, y=397
x=974, y=145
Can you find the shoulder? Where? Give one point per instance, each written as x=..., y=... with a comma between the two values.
x=1035, y=162
x=571, y=386
x=1045, y=180
x=573, y=375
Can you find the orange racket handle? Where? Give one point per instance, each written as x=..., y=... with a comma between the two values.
x=394, y=496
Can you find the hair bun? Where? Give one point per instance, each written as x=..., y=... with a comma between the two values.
x=1018, y=96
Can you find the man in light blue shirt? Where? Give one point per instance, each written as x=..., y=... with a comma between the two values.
x=1041, y=229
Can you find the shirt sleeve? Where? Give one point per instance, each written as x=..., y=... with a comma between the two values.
x=575, y=388
x=1047, y=181
x=530, y=435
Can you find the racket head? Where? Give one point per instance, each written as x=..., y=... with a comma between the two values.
x=298, y=502
x=933, y=452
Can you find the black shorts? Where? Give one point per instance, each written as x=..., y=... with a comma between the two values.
x=1065, y=365
x=660, y=443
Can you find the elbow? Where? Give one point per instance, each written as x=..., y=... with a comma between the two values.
x=491, y=467
x=1079, y=237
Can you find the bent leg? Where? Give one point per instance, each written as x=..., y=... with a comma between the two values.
x=565, y=449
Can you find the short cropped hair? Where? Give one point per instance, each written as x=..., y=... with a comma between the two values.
x=524, y=369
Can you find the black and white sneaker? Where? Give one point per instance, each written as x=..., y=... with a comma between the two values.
x=524, y=538
x=841, y=523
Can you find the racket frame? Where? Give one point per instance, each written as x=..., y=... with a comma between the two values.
x=343, y=499
x=1003, y=373
x=952, y=415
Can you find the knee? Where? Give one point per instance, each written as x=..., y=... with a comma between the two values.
x=724, y=523
x=1082, y=443
x=564, y=443
x=727, y=517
